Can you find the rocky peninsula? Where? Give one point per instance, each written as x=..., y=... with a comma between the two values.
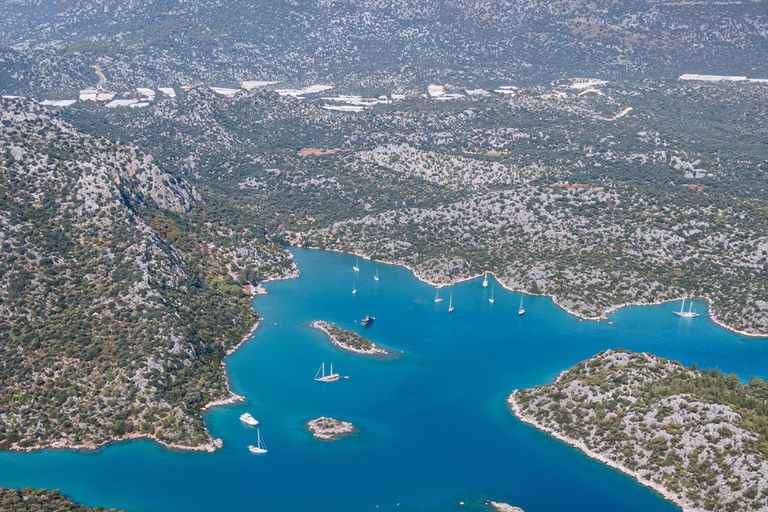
x=699, y=438
x=329, y=429
x=350, y=340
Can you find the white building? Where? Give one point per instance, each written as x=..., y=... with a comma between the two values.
x=58, y=103
x=249, y=85
x=435, y=91
x=168, y=91
x=121, y=103
x=146, y=93
x=225, y=91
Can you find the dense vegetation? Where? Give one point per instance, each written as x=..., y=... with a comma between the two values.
x=349, y=340
x=699, y=434
x=674, y=204
x=371, y=43
x=116, y=291
x=36, y=500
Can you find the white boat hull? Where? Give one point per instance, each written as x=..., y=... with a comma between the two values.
x=328, y=378
x=256, y=449
x=249, y=420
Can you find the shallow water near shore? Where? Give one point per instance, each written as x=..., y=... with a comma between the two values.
x=434, y=426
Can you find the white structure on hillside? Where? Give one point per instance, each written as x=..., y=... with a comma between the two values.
x=435, y=91
x=58, y=103
x=253, y=84
x=721, y=78
x=225, y=91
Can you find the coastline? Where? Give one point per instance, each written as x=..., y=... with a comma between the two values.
x=211, y=446
x=375, y=350
x=603, y=316
x=581, y=446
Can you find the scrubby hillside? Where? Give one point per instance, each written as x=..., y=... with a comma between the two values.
x=698, y=437
x=114, y=320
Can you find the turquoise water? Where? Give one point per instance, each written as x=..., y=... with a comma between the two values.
x=434, y=428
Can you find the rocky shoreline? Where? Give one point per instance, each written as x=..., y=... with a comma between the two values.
x=330, y=429
x=373, y=350
x=712, y=315
x=516, y=409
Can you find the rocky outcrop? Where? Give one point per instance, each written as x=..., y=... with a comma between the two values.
x=329, y=429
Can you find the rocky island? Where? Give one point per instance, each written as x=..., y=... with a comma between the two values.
x=697, y=437
x=500, y=506
x=329, y=429
x=350, y=340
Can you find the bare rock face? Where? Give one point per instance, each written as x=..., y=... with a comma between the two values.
x=500, y=506
x=330, y=429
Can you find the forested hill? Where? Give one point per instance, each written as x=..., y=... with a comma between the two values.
x=36, y=500
x=116, y=298
x=375, y=43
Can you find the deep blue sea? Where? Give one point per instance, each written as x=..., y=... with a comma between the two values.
x=434, y=427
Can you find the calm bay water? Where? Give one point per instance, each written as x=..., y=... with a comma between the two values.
x=434, y=427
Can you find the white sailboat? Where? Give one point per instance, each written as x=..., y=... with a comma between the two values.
x=686, y=314
x=356, y=268
x=437, y=297
x=376, y=277
x=485, y=280
x=248, y=419
x=491, y=299
x=354, y=290
x=450, y=303
x=260, y=447
x=320, y=376
x=521, y=311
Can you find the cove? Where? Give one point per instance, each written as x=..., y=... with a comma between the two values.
x=434, y=427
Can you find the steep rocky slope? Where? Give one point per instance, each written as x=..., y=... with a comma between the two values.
x=115, y=320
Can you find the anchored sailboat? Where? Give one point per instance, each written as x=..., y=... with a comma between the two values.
x=320, y=376
x=686, y=314
x=260, y=447
x=437, y=297
x=450, y=303
x=491, y=299
x=521, y=311
x=354, y=290
x=376, y=277
x=356, y=268
x=485, y=280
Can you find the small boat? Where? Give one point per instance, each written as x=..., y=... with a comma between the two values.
x=437, y=297
x=354, y=290
x=686, y=314
x=248, y=419
x=376, y=277
x=356, y=268
x=450, y=303
x=521, y=311
x=368, y=320
x=485, y=280
x=491, y=300
x=260, y=447
x=320, y=376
